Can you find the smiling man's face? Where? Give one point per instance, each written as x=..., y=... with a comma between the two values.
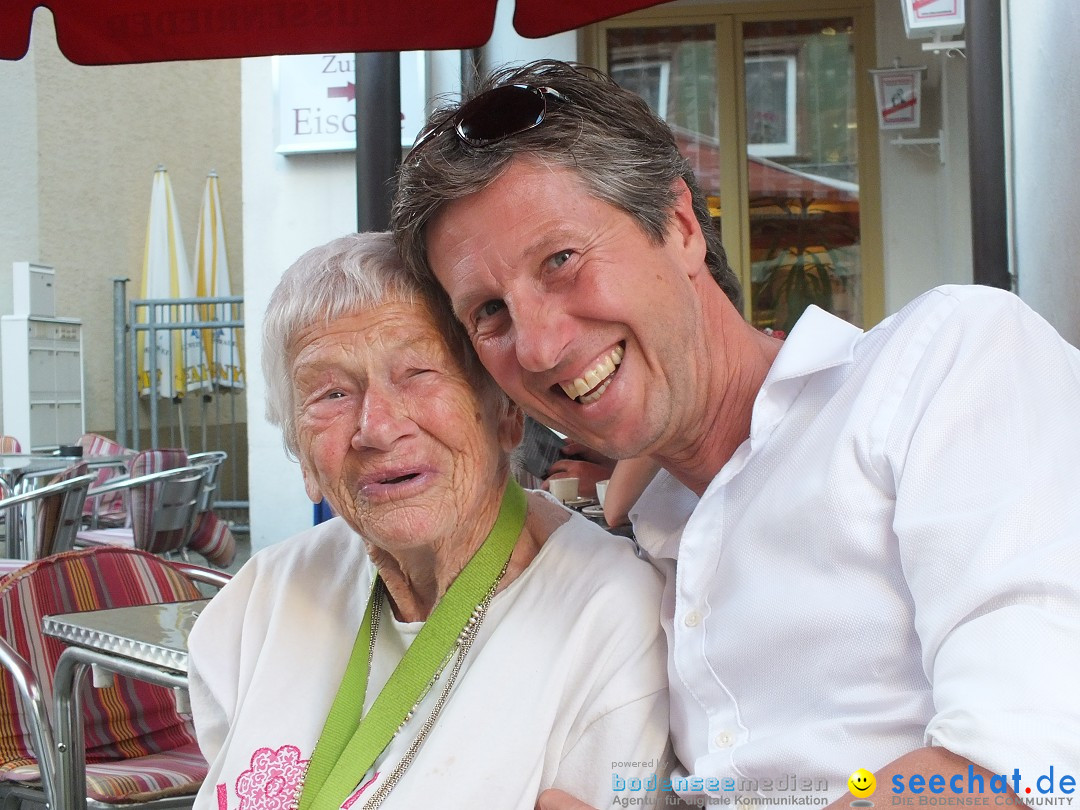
x=583, y=320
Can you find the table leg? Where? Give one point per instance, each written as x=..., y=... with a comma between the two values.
x=70, y=789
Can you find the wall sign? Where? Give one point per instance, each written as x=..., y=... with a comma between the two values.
x=928, y=18
x=315, y=97
x=899, y=96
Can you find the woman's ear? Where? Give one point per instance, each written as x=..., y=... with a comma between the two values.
x=311, y=486
x=511, y=426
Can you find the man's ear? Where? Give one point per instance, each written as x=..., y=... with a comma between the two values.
x=684, y=230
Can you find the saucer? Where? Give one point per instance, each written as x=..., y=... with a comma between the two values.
x=577, y=503
x=596, y=511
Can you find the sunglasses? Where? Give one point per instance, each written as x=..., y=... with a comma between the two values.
x=496, y=115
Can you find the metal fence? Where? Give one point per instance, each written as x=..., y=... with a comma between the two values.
x=180, y=375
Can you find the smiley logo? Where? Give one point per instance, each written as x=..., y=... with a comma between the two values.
x=862, y=783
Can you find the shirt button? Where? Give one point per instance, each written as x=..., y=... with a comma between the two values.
x=723, y=739
x=692, y=619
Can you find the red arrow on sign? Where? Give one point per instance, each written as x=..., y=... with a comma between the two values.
x=347, y=92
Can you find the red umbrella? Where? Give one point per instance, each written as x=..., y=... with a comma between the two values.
x=90, y=32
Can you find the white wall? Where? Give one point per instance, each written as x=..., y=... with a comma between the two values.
x=18, y=170
x=507, y=47
x=926, y=210
x=292, y=204
x=1045, y=170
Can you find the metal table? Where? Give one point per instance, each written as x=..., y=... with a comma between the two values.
x=148, y=642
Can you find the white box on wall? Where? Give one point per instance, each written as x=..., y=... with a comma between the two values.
x=33, y=289
x=42, y=373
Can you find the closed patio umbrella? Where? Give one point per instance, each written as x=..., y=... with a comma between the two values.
x=171, y=362
x=223, y=345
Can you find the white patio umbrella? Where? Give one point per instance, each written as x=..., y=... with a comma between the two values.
x=224, y=348
x=179, y=359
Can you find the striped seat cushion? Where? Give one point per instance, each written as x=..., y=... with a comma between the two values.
x=179, y=772
x=123, y=538
x=131, y=719
x=142, y=507
x=214, y=540
x=110, y=509
x=139, y=506
x=9, y=565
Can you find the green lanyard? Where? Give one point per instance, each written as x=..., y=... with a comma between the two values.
x=350, y=744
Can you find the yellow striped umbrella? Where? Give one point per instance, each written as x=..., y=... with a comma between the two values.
x=224, y=346
x=180, y=360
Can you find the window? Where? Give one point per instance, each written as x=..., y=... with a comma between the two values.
x=770, y=105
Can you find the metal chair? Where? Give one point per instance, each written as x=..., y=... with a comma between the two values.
x=162, y=507
x=212, y=537
x=139, y=750
x=212, y=460
x=54, y=511
x=107, y=512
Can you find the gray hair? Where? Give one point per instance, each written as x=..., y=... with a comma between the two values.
x=347, y=275
x=625, y=155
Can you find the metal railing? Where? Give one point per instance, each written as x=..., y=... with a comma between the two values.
x=180, y=379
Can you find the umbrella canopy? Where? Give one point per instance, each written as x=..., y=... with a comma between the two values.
x=224, y=350
x=129, y=31
x=174, y=356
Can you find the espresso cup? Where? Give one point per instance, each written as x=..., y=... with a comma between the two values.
x=601, y=491
x=565, y=489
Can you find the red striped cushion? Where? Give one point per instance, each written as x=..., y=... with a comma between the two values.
x=142, y=514
x=110, y=508
x=128, y=719
x=179, y=772
x=214, y=540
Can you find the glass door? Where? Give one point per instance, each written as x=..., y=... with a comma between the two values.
x=802, y=169
x=768, y=109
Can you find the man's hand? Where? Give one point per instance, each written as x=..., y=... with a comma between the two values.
x=557, y=800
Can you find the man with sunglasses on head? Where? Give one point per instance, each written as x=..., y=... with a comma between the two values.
x=870, y=540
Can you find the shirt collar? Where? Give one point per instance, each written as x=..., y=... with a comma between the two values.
x=817, y=341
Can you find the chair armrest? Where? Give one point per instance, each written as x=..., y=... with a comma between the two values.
x=33, y=701
x=115, y=483
x=48, y=489
x=201, y=573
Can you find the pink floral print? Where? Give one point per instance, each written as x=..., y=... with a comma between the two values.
x=273, y=780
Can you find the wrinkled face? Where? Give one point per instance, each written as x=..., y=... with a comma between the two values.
x=580, y=318
x=391, y=431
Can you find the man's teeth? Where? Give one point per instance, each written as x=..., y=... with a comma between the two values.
x=594, y=377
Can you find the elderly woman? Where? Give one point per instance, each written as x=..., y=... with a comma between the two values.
x=449, y=640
